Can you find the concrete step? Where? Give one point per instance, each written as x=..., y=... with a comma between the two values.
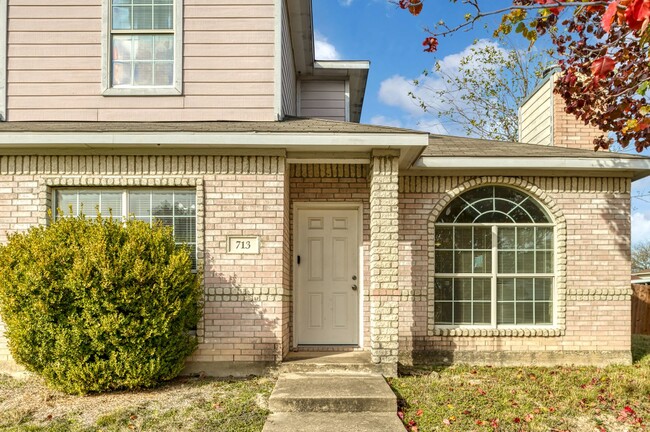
x=334, y=422
x=332, y=393
x=315, y=362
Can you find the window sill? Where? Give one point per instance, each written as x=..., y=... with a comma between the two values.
x=542, y=331
x=142, y=91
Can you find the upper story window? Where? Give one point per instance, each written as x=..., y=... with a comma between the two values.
x=494, y=260
x=144, y=47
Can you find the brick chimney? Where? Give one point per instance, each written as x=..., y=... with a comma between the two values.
x=542, y=119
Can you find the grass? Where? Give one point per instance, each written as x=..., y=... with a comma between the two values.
x=185, y=404
x=464, y=398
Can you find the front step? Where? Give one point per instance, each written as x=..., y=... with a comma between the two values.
x=331, y=422
x=328, y=362
x=332, y=393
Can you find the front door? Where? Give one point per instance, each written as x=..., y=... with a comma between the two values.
x=327, y=277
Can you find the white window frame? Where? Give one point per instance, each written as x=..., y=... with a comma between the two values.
x=175, y=89
x=494, y=274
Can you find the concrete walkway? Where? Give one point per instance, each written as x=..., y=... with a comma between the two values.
x=332, y=392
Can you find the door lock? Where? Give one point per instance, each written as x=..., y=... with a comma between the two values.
x=354, y=288
x=354, y=277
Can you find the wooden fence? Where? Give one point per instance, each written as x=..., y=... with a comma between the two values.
x=641, y=309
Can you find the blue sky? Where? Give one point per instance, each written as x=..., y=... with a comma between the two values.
x=390, y=38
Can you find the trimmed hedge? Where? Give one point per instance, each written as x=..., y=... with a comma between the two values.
x=97, y=304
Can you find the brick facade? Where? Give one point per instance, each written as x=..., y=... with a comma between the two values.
x=247, y=321
x=594, y=324
x=569, y=131
x=384, y=271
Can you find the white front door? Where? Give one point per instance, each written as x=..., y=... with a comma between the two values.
x=327, y=277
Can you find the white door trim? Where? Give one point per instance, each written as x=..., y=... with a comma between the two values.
x=297, y=207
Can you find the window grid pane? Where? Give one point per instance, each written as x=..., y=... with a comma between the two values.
x=464, y=249
x=462, y=301
x=75, y=203
x=142, y=43
x=173, y=208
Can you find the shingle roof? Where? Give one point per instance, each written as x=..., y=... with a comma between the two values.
x=289, y=125
x=452, y=146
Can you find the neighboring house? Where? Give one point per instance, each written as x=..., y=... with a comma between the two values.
x=314, y=233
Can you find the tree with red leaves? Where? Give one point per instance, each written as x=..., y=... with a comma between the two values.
x=603, y=49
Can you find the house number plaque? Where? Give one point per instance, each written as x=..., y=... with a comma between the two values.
x=243, y=245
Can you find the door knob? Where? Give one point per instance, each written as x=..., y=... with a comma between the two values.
x=354, y=288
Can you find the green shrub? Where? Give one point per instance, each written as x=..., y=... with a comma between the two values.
x=96, y=305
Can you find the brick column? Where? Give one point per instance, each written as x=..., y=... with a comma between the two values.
x=384, y=293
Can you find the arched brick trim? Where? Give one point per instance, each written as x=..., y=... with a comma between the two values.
x=560, y=259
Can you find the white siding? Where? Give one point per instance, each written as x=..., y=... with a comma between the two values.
x=54, y=64
x=536, y=117
x=288, y=68
x=323, y=99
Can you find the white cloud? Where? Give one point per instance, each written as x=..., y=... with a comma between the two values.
x=398, y=91
x=345, y=2
x=640, y=227
x=395, y=91
x=323, y=49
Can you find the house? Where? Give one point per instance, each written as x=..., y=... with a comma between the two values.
x=315, y=232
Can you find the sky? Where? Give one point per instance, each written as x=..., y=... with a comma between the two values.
x=390, y=38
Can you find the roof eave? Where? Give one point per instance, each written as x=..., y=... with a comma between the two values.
x=634, y=168
x=302, y=35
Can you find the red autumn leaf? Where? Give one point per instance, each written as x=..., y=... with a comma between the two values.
x=609, y=15
x=412, y=423
x=414, y=6
x=602, y=66
x=481, y=392
x=419, y=413
x=479, y=422
x=431, y=44
x=629, y=410
x=554, y=10
x=637, y=13
x=400, y=414
x=516, y=420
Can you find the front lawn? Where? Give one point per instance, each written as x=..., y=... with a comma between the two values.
x=465, y=398
x=184, y=404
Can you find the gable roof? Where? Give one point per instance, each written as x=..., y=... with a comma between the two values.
x=453, y=146
x=454, y=155
x=301, y=125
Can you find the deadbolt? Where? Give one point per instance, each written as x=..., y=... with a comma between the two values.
x=354, y=277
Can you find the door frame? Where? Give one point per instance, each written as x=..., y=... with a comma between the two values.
x=297, y=207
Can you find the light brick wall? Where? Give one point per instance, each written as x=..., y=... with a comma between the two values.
x=337, y=183
x=597, y=315
x=246, y=296
x=248, y=306
x=384, y=271
x=569, y=131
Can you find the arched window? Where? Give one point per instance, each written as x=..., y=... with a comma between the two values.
x=494, y=260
